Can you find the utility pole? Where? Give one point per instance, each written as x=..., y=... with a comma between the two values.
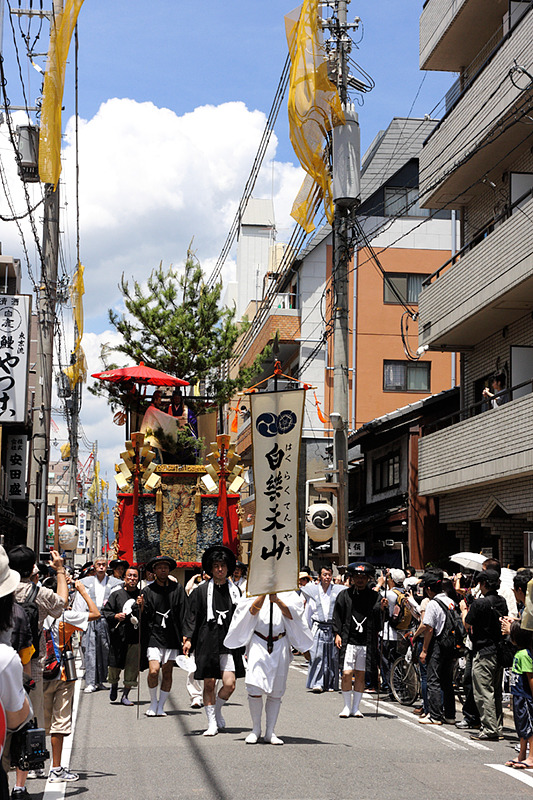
x=46, y=319
x=95, y=551
x=346, y=193
x=75, y=402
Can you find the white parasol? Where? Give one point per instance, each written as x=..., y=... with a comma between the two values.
x=469, y=560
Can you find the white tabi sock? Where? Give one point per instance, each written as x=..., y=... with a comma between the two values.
x=272, y=707
x=256, y=709
x=221, y=722
x=212, y=729
x=152, y=711
x=347, y=697
x=161, y=705
x=356, y=700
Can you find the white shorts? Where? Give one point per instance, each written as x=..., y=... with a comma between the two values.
x=161, y=654
x=355, y=658
x=227, y=664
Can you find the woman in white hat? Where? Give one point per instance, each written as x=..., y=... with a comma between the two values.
x=15, y=708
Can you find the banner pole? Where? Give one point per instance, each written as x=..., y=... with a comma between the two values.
x=270, y=640
x=139, y=664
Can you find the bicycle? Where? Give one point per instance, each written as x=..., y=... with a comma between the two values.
x=405, y=675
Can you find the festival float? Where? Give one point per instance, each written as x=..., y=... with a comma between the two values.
x=173, y=509
x=176, y=510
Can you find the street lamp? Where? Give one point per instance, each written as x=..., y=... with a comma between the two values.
x=336, y=420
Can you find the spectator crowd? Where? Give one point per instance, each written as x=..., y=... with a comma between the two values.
x=354, y=628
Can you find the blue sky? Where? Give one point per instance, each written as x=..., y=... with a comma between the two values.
x=173, y=99
x=181, y=55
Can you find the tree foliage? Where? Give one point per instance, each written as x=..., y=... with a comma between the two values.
x=175, y=323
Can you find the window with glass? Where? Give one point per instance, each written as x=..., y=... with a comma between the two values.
x=386, y=472
x=406, y=376
x=402, y=287
x=400, y=201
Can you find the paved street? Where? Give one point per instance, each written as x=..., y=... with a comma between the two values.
x=323, y=757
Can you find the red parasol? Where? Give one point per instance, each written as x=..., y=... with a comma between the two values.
x=140, y=374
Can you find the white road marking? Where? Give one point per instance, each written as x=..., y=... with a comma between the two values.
x=56, y=791
x=519, y=774
x=447, y=742
x=441, y=729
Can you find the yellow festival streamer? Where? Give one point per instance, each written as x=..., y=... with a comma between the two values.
x=314, y=109
x=62, y=28
x=77, y=372
x=94, y=490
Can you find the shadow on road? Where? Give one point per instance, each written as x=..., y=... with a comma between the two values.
x=211, y=776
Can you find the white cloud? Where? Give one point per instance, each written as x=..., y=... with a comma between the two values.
x=150, y=182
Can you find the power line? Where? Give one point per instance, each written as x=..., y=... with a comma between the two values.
x=18, y=157
x=250, y=183
x=375, y=259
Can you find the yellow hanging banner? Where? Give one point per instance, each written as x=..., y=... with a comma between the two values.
x=314, y=110
x=62, y=28
x=77, y=371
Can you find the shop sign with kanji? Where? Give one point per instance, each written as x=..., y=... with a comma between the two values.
x=15, y=311
x=15, y=468
x=276, y=434
x=82, y=529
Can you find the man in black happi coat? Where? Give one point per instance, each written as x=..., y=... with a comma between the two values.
x=211, y=608
x=163, y=605
x=122, y=613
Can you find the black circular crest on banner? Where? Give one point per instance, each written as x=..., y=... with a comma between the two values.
x=269, y=424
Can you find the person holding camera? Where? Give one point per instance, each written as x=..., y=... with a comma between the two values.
x=38, y=603
x=61, y=678
x=14, y=702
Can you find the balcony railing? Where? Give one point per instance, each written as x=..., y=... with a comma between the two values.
x=285, y=300
x=485, y=449
x=473, y=410
x=476, y=66
x=479, y=237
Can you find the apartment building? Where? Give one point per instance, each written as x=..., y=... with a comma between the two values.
x=478, y=161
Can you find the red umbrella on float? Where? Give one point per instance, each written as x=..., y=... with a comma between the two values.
x=140, y=374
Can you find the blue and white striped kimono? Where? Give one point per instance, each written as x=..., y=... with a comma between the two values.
x=324, y=662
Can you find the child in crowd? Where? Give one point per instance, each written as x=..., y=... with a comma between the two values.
x=522, y=692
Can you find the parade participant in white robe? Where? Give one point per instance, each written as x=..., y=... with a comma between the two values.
x=95, y=640
x=266, y=672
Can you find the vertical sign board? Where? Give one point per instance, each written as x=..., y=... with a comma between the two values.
x=82, y=530
x=14, y=353
x=50, y=529
x=16, y=452
x=276, y=434
x=356, y=549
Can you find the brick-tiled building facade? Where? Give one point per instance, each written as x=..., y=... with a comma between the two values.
x=479, y=161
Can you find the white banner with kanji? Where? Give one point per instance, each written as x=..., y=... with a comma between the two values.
x=15, y=313
x=276, y=435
